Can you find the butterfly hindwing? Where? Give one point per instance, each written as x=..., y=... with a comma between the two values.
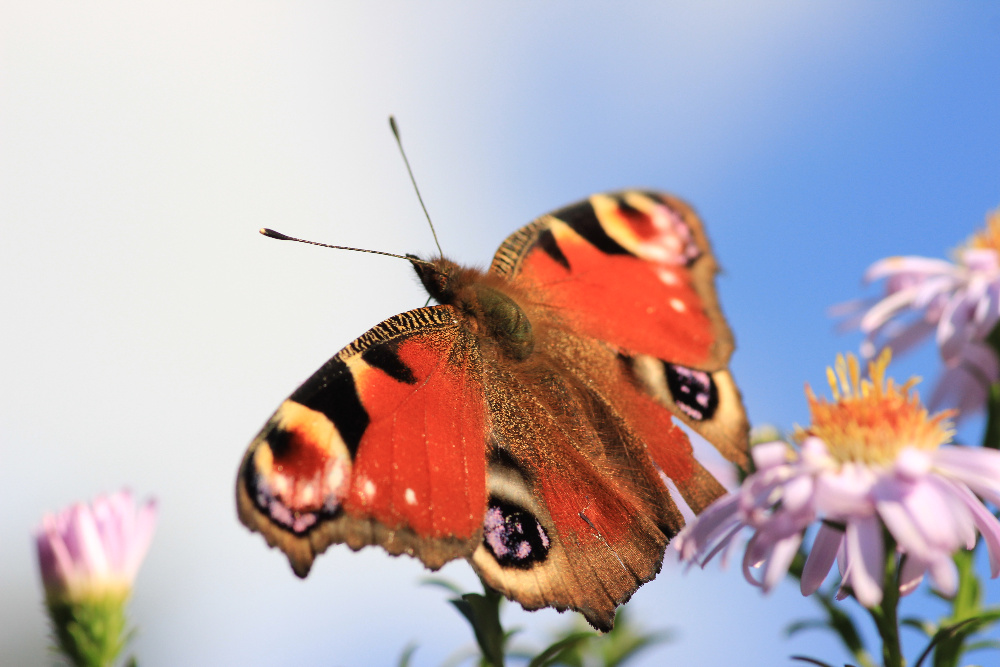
x=383, y=445
x=578, y=515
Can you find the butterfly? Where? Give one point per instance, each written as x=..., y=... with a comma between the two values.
x=528, y=422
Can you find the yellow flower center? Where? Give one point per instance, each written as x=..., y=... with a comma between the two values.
x=871, y=420
x=987, y=238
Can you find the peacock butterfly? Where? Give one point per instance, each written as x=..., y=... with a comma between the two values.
x=527, y=423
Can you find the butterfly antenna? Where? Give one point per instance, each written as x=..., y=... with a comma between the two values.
x=399, y=142
x=284, y=237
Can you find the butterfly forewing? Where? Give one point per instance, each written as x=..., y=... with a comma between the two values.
x=635, y=270
x=383, y=445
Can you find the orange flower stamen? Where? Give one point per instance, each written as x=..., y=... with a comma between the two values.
x=988, y=238
x=871, y=420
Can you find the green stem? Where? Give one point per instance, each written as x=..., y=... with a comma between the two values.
x=991, y=438
x=885, y=615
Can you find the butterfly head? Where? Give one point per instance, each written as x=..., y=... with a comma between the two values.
x=442, y=278
x=489, y=310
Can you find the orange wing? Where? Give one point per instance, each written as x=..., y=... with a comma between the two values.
x=635, y=270
x=385, y=445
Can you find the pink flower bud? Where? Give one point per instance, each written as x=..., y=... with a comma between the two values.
x=94, y=549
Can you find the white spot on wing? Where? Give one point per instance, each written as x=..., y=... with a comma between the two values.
x=309, y=494
x=678, y=305
x=667, y=276
x=366, y=489
x=411, y=497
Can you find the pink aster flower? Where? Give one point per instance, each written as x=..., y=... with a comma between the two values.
x=958, y=302
x=96, y=549
x=871, y=459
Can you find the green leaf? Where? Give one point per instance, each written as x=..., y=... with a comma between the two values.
x=626, y=640
x=807, y=624
x=483, y=614
x=949, y=638
x=560, y=648
x=948, y=644
x=837, y=621
x=983, y=645
x=925, y=627
x=441, y=582
x=813, y=661
x=407, y=654
x=843, y=625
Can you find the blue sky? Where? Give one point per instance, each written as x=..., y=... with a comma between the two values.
x=150, y=331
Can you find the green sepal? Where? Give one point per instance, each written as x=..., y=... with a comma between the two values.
x=90, y=632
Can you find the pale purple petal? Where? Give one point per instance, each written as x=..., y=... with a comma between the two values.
x=909, y=336
x=756, y=495
x=958, y=302
x=900, y=523
x=749, y=562
x=142, y=536
x=934, y=291
x=984, y=316
x=911, y=574
x=850, y=313
x=781, y=557
x=768, y=455
x=821, y=557
x=865, y=556
x=980, y=259
x=965, y=384
x=932, y=513
x=963, y=525
x=55, y=560
x=814, y=455
x=798, y=494
x=87, y=549
x=911, y=264
x=912, y=464
x=889, y=307
x=981, y=360
x=987, y=524
x=846, y=492
x=758, y=549
x=700, y=534
x=109, y=517
x=956, y=328
x=944, y=574
x=958, y=388
x=84, y=543
x=977, y=467
x=991, y=314
x=726, y=542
